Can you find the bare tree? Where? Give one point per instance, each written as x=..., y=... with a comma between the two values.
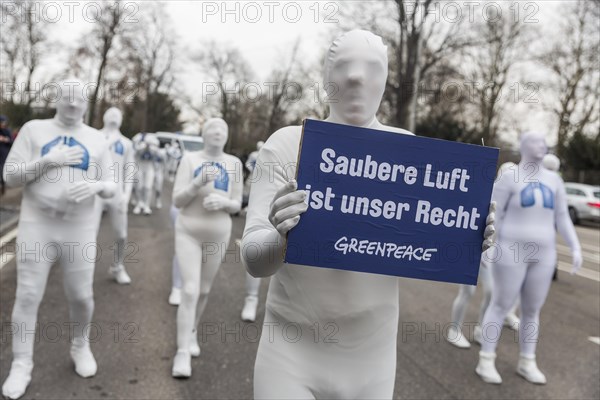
x=497, y=49
x=573, y=60
x=417, y=43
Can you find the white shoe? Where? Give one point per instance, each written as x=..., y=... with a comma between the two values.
x=249, y=311
x=529, y=370
x=158, y=204
x=477, y=335
x=512, y=321
x=137, y=209
x=175, y=296
x=119, y=274
x=81, y=354
x=147, y=210
x=182, y=364
x=194, y=346
x=456, y=338
x=486, y=368
x=18, y=379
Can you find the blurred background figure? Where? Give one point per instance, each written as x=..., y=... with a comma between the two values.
x=6, y=141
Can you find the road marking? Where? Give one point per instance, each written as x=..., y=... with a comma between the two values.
x=590, y=257
x=583, y=272
x=4, y=240
x=594, y=339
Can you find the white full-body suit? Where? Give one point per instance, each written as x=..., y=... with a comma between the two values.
x=252, y=283
x=326, y=333
x=146, y=146
x=62, y=164
x=124, y=166
x=208, y=188
x=174, y=154
x=531, y=205
x=176, y=281
x=466, y=292
x=160, y=165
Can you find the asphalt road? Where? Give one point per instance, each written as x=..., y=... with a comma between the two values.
x=134, y=333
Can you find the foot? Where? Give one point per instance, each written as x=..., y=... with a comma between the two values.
x=182, y=364
x=137, y=209
x=512, y=321
x=147, y=210
x=477, y=335
x=486, y=368
x=529, y=370
x=18, y=379
x=194, y=346
x=81, y=354
x=158, y=204
x=175, y=296
x=119, y=274
x=456, y=338
x=249, y=311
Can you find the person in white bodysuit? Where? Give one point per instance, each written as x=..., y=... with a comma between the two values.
x=175, y=295
x=160, y=163
x=174, y=154
x=208, y=188
x=531, y=203
x=62, y=164
x=123, y=164
x=466, y=292
x=252, y=283
x=347, y=322
x=146, y=146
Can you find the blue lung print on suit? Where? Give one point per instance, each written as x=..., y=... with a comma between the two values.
x=118, y=147
x=222, y=181
x=71, y=142
x=528, y=195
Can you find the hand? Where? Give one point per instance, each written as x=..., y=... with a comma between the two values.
x=208, y=174
x=488, y=234
x=214, y=202
x=286, y=207
x=64, y=155
x=577, y=261
x=83, y=190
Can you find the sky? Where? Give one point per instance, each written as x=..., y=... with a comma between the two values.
x=264, y=31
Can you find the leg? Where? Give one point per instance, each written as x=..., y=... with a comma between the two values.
x=148, y=187
x=189, y=257
x=508, y=276
x=78, y=281
x=459, y=309
x=118, y=222
x=158, y=185
x=175, y=296
x=251, y=300
x=32, y=276
x=533, y=295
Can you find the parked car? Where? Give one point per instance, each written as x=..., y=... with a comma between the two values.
x=186, y=142
x=584, y=202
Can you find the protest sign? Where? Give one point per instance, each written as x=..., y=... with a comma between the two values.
x=393, y=204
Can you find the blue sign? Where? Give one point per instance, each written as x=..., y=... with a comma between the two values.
x=393, y=204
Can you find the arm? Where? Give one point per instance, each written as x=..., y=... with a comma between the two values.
x=186, y=186
x=501, y=195
x=565, y=227
x=128, y=182
x=23, y=167
x=274, y=208
x=103, y=185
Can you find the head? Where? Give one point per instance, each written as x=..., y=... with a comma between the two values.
x=533, y=146
x=259, y=145
x=113, y=118
x=72, y=102
x=356, y=70
x=215, y=133
x=3, y=121
x=551, y=162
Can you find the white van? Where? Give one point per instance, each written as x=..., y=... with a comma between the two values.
x=186, y=142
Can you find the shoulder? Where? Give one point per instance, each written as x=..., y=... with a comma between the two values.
x=233, y=159
x=34, y=124
x=397, y=130
x=284, y=138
